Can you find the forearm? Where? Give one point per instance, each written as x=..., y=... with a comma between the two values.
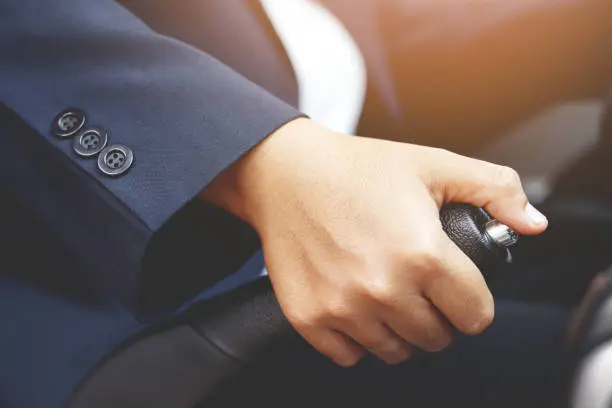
x=240, y=188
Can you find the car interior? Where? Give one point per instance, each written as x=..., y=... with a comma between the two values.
x=564, y=156
x=568, y=265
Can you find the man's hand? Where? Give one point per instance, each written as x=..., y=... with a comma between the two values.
x=353, y=242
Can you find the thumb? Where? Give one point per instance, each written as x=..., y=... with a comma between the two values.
x=496, y=188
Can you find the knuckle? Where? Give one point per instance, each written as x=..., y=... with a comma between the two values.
x=384, y=350
x=395, y=359
x=507, y=179
x=432, y=333
x=381, y=290
x=405, y=356
x=380, y=346
x=391, y=351
x=347, y=359
x=425, y=255
x=339, y=309
x=303, y=320
x=439, y=343
x=425, y=261
x=480, y=321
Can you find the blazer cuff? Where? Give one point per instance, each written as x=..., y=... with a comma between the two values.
x=153, y=254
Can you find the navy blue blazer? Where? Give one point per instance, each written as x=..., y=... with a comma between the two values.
x=99, y=244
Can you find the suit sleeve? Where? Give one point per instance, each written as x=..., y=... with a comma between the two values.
x=184, y=115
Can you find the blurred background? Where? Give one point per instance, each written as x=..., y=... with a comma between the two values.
x=542, y=147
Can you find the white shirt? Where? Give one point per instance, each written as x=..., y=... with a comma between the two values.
x=328, y=64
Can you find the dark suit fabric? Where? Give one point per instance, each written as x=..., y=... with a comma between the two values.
x=88, y=260
x=185, y=115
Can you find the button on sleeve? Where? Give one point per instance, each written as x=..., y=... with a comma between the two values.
x=115, y=160
x=68, y=123
x=90, y=142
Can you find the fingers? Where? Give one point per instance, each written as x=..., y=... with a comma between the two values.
x=459, y=291
x=505, y=199
x=344, y=339
x=335, y=345
x=496, y=188
x=418, y=322
x=378, y=339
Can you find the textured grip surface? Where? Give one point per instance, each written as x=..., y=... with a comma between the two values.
x=465, y=226
x=248, y=323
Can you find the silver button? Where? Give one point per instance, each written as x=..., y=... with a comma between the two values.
x=501, y=234
x=68, y=123
x=115, y=160
x=90, y=141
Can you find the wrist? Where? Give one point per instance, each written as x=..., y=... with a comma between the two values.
x=244, y=187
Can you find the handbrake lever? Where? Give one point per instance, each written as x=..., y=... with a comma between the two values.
x=247, y=326
x=249, y=322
